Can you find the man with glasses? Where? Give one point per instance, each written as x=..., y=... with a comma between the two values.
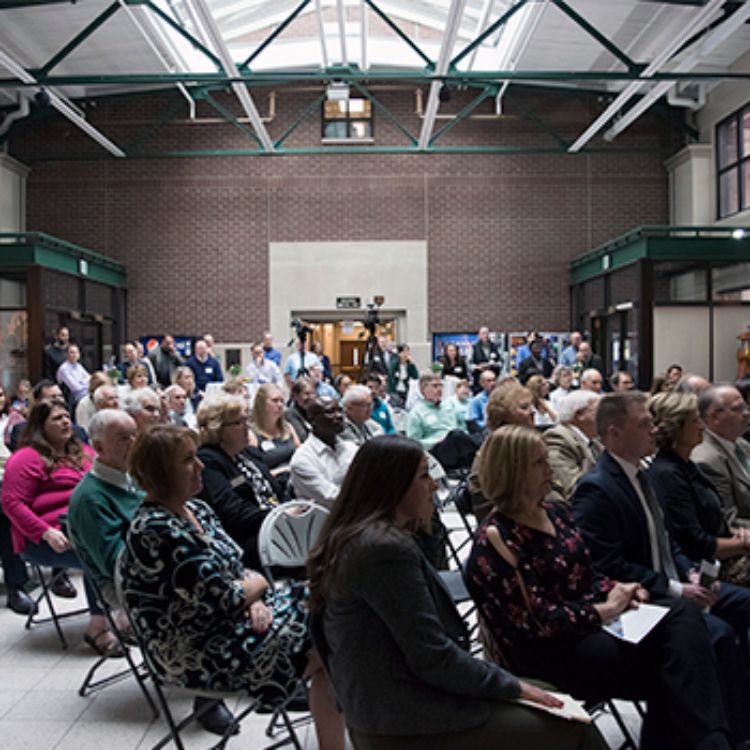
x=592, y=380
x=724, y=456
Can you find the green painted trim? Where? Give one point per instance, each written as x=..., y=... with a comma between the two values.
x=301, y=118
x=230, y=118
x=148, y=131
x=396, y=30
x=464, y=113
x=102, y=18
x=245, y=65
x=180, y=30
x=23, y=249
x=707, y=244
x=385, y=111
x=491, y=29
x=456, y=77
x=596, y=34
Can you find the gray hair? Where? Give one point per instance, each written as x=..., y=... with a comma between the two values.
x=356, y=393
x=102, y=420
x=588, y=374
x=173, y=389
x=710, y=399
x=100, y=393
x=427, y=377
x=559, y=371
x=574, y=402
x=134, y=401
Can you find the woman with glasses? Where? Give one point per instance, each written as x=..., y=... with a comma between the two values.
x=236, y=482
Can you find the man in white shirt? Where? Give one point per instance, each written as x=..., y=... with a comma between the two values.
x=262, y=370
x=319, y=465
x=73, y=375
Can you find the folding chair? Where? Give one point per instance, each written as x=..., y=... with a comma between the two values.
x=54, y=617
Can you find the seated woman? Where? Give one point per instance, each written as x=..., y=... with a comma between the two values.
x=136, y=377
x=236, y=482
x=692, y=507
x=542, y=606
x=271, y=433
x=210, y=623
x=38, y=482
x=562, y=378
x=392, y=639
x=184, y=376
x=453, y=363
x=544, y=414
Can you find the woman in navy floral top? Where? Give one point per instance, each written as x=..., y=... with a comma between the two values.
x=209, y=622
x=542, y=607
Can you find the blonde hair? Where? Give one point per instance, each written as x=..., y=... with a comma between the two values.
x=503, y=403
x=534, y=384
x=131, y=373
x=504, y=465
x=214, y=413
x=260, y=413
x=671, y=410
x=155, y=457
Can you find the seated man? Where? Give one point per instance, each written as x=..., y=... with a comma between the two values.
x=206, y=368
x=477, y=413
x=381, y=412
x=178, y=411
x=145, y=407
x=592, y=380
x=359, y=426
x=105, y=500
x=616, y=508
x=261, y=369
x=572, y=445
x=724, y=455
x=302, y=394
x=298, y=364
x=319, y=465
x=322, y=389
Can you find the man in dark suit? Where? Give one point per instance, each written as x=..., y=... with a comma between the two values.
x=623, y=525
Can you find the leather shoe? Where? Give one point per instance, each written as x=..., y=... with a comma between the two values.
x=62, y=586
x=217, y=719
x=21, y=603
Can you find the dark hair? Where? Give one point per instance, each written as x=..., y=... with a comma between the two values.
x=36, y=394
x=613, y=409
x=33, y=436
x=299, y=385
x=6, y=406
x=154, y=458
x=381, y=473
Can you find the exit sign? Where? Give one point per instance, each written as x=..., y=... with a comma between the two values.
x=348, y=303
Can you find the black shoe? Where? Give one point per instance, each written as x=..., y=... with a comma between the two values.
x=217, y=719
x=21, y=603
x=62, y=586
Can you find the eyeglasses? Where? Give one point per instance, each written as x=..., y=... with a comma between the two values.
x=237, y=422
x=151, y=409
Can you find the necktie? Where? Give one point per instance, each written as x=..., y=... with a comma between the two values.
x=743, y=459
x=667, y=566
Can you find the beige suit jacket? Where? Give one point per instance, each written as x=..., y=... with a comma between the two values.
x=570, y=458
x=731, y=480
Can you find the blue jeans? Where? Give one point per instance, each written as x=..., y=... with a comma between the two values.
x=43, y=554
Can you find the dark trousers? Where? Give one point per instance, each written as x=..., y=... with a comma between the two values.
x=43, y=554
x=14, y=567
x=673, y=668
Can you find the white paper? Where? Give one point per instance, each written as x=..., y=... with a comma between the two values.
x=635, y=624
x=571, y=708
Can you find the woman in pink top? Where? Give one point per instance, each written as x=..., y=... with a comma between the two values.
x=39, y=479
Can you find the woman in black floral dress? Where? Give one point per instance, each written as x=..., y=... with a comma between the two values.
x=210, y=623
x=543, y=606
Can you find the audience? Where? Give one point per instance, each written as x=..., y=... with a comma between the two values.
x=693, y=509
x=56, y=353
x=592, y=380
x=562, y=379
x=432, y=419
x=544, y=414
x=322, y=389
x=621, y=381
x=236, y=482
x=73, y=376
x=572, y=445
x=298, y=363
x=261, y=369
x=381, y=411
x=85, y=408
x=302, y=393
x=246, y=636
x=476, y=417
x=105, y=500
x=401, y=372
x=724, y=455
x=484, y=355
x=688, y=383
x=536, y=363
x=130, y=352
x=359, y=426
x=542, y=606
x=137, y=377
x=568, y=357
x=165, y=360
x=453, y=363
x=673, y=376
x=177, y=404
x=206, y=368
x=318, y=467
x=183, y=376
x=274, y=355
x=38, y=482
x=394, y=643
x=325, y=362
x=144, y=406
x=341, y=383
x=586, y=359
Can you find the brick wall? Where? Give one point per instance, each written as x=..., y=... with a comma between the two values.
x=194, y=232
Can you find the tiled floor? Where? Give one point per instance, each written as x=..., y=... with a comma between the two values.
x=40, y=708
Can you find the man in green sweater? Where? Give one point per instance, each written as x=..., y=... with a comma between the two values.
x=432, y=419
x=105, y=500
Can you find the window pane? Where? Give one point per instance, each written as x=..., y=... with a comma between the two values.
x=335, y=129
x=727, y=134
x=728, y=197
x=359, y=108
x=746, y=133
x=334, y=110
x=745, y=184
x=359, y=129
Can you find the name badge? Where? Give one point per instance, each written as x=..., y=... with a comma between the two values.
x=237, y=482
x=267, y=445
x=209, y=370
x=431, y=420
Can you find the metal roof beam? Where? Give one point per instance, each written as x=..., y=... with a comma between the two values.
x=395, y=28
x=231, y=70
x=709, y=43
x=275, y=33
x=364, y=29
x=61, y=106
x=341, y=19
x=481, y=25
x=444, y=60
x=321, y=32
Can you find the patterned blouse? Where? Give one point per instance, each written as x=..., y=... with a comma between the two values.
x=556, y=570
x=184, y=591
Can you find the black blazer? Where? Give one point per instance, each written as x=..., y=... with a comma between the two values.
x=231, y=496
x=528, y=367
x=607, y=510
x=691, y=504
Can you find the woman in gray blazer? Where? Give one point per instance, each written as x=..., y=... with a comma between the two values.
x=388, y=630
